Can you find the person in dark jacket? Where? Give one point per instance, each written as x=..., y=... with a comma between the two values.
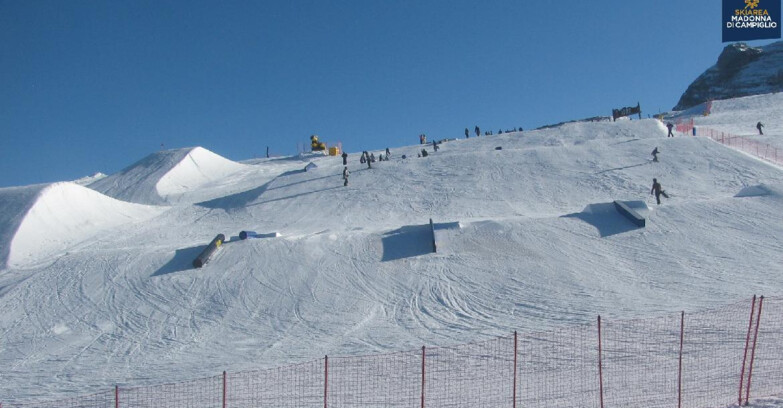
x=759, y=126
x=467, y=134
x=478, y=131
x=670, y=126
x=655, y=154
x=658, y=191
x=388, y=153
x=346, y=173
x=345, y=158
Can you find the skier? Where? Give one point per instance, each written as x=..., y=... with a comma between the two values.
x=670, y=126
x=478, y=131
x=656, y=188
x=345, y=159
x=345, y=175
x=759, y=126
x=655, y=154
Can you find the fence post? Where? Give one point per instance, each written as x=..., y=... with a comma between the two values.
x=326, y=378
x=423, y=353
x=600, y=368
x=679, y=371
x=116, y=396
x=514, y=404
x=224, y=389
x=745, y=356
x=753, y=352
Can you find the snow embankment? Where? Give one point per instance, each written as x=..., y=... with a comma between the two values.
x=59, y=216
x=168, y=176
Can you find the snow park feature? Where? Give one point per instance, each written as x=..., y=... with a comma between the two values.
x=210, y=250
x=252, y=234
x=626, y=210
x=353, y=275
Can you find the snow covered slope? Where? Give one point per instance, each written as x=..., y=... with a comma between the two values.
x=352, y=272
x=47, y=220
x=168, y=177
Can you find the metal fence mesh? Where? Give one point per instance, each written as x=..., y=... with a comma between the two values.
x=707, y=359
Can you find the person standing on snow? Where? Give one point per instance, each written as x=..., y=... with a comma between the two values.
x=759, y=126
x=467, y=134
x=655, y=154
x=346, y=173
x=478, y=131
x=658, y=191
x=345, y=159
x=670, y=126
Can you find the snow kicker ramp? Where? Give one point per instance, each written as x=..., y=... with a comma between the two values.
x=166, y=177
x=40, y=222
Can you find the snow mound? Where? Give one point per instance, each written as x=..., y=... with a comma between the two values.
x=15, y=202
x=760, y=191
x=90, y=179
x=167, y=176
x=61, y=215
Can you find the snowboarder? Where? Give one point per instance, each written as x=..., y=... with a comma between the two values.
x=372, y=157
x=434, y=146
x=362, y=160
x=424, y=153
x=388, y=153
x=670, y=126
x=478, y=131
x=658, y=191
x=346, y=173
x=759, y=126
x=467, y=134
x=345, y=159
x=655, y=154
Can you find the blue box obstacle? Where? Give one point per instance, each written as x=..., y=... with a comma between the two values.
x=204, y=256
x=629, y=213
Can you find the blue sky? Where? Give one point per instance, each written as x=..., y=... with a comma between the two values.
x=94, y=86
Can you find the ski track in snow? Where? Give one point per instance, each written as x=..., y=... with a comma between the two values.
x=351, y=272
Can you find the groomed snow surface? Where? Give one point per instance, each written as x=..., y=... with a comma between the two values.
x=97, y=286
